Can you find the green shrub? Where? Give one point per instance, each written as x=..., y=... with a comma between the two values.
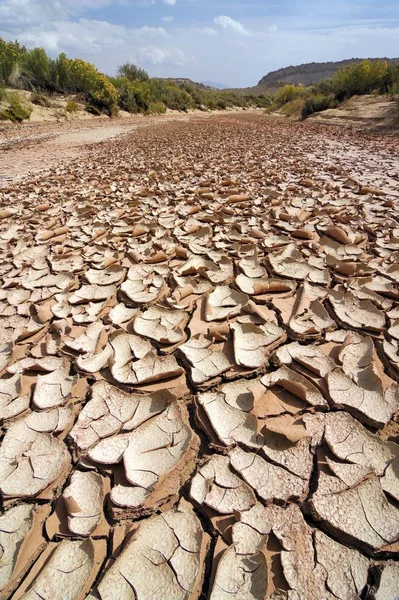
x=317, y=103
x=127, y=94
x=18, y=108
x=11, y=56
x=40, y=100
x=157, y=108
x=393, y=80
x=132, y=90
x=294, y=108
x=360, y=78
x=37, y=68
x=131, y=72
x=287, y=93
x=72, y=106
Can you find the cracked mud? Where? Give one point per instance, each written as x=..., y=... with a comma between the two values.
x=199, y=367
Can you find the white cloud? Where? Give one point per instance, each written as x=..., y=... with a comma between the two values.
x=17, y=12
x=153, y=55
x=168, y=19
x=229, y=23
x=273, y=29
x=169, y=2
x=87, y=36
x=208, y=31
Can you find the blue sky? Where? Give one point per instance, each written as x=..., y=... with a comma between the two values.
x=227, y=41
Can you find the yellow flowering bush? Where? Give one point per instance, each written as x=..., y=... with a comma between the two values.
x=360, y=78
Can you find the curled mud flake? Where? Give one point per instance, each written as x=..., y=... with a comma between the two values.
x=88, y=340
x=46, y=364
x=297, y=385
x=358, y=451
x=315, y=566
x=31, y=461
x=111, y=410
x=359, y=314
x=92, y=293
x=305, y=313
x=145, y=284
x=161, y=325
x=265, y=288
x=21, y=541
x=165, y=558
x=360, y=515
x=55, y=420
x=240, y=576
x=6, y=351
x=156, y=450
x=121, y=314
x=14, y=400
x=14, y=526
x=84, y=499
x=224, y=302
x=93, y=363
x=270, y=481
x=283, y=448
x=150, y=368
x=67, y=572
x=310, y=357
x=230, y=416
x=252, y=343
x=207, y=360
x=291, y=263
x=127, y=347
x=216, y=486
x=357, y=387
x=110, y=276
x=54, y=389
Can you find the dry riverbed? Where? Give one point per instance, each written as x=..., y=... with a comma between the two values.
x=199, y=361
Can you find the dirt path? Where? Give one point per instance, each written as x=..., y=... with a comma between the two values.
x=35, y=147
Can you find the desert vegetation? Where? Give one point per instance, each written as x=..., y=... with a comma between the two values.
x=131, y=90
x=357, y=78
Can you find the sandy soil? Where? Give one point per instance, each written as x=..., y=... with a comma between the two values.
x=34, y=147
x=363, y=112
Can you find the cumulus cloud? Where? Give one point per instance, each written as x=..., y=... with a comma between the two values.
x=169, y=2
x=208, y=31
x=153, y=55
x=14, y=13
x=87, y=36
x=168, y=19
x=229, y=23
x=273, y=29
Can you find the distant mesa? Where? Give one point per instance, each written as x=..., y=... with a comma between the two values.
x=306, y=74
x=310, y=73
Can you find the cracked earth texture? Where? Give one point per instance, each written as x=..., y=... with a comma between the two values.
x=199, y=354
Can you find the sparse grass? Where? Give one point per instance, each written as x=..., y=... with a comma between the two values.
x=72, y=107
x=41, y=100
x=18, y=108
x=93, y=110
x=60, y=114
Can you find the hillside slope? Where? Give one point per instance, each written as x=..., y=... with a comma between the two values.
x=310, y=73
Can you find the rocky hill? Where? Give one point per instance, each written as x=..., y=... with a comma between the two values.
x=309, y=73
